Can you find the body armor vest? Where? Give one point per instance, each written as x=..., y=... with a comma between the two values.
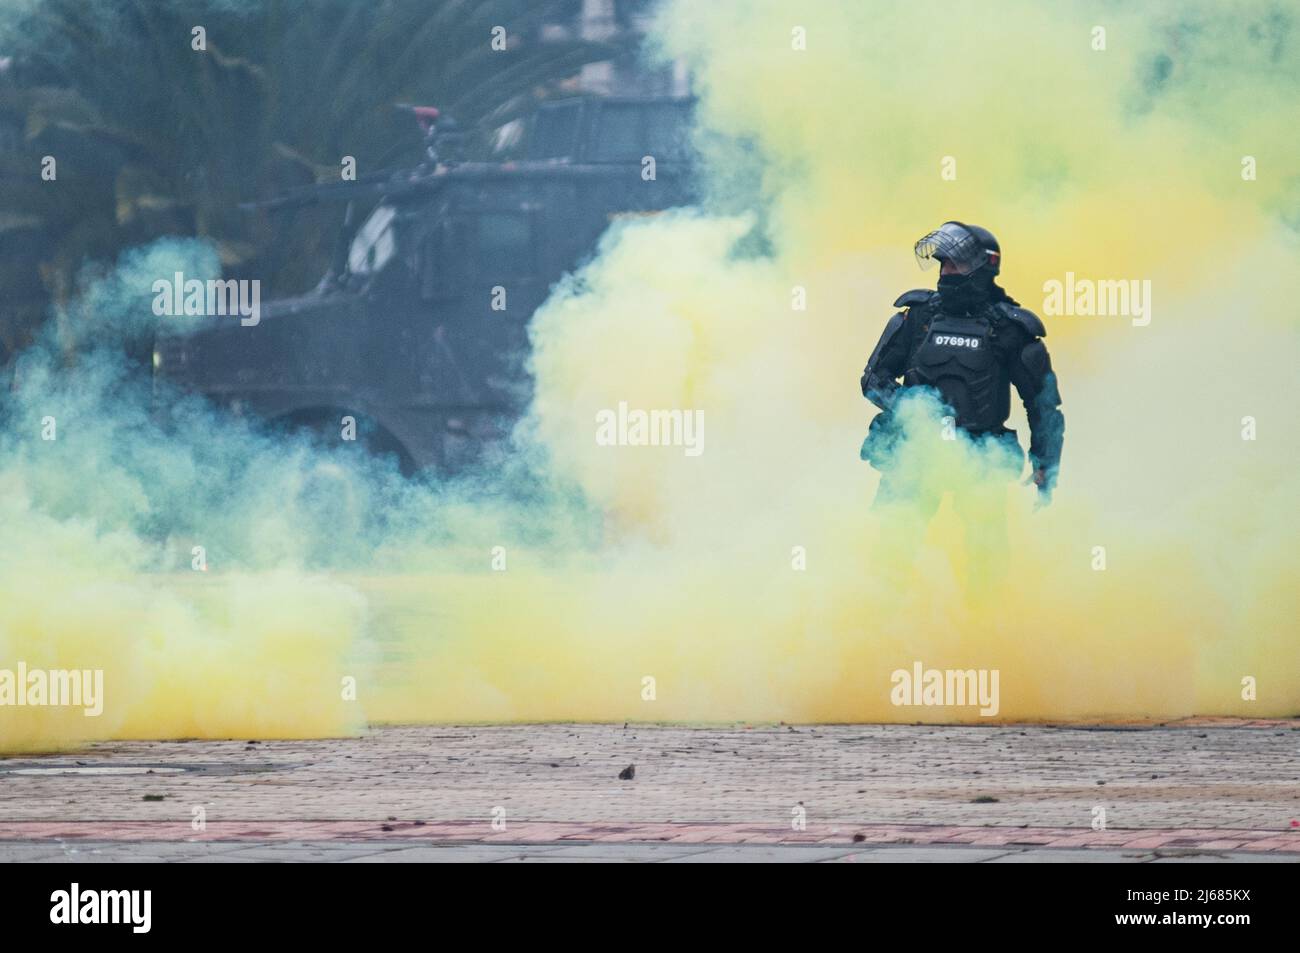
x=957, y=358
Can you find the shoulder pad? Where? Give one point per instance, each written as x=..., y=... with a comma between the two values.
x=1025, y=318
x=915, y=296
x=891, y=328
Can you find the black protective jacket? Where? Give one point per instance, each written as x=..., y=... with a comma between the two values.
x=972, y=359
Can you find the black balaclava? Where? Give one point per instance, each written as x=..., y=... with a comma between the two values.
x=963, y=294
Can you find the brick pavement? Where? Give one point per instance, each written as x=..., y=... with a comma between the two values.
x=1210, y=786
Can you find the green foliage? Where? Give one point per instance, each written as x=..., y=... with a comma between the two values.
x=155, y=138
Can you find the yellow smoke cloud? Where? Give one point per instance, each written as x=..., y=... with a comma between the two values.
x=753, y=581
x=180, y=656
x=1122, y=163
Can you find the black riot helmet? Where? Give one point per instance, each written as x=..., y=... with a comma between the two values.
x=967, y=247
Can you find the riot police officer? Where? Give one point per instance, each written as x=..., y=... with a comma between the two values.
x=968, y=342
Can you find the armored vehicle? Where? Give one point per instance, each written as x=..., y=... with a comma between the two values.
x=419, y=331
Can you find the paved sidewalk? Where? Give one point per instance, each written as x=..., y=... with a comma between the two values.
x=366, y=852
x=1209, y=789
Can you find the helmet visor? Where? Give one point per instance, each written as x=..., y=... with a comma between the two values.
x=952, y=244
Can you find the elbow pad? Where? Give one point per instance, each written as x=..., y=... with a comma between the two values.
x=878, y=385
